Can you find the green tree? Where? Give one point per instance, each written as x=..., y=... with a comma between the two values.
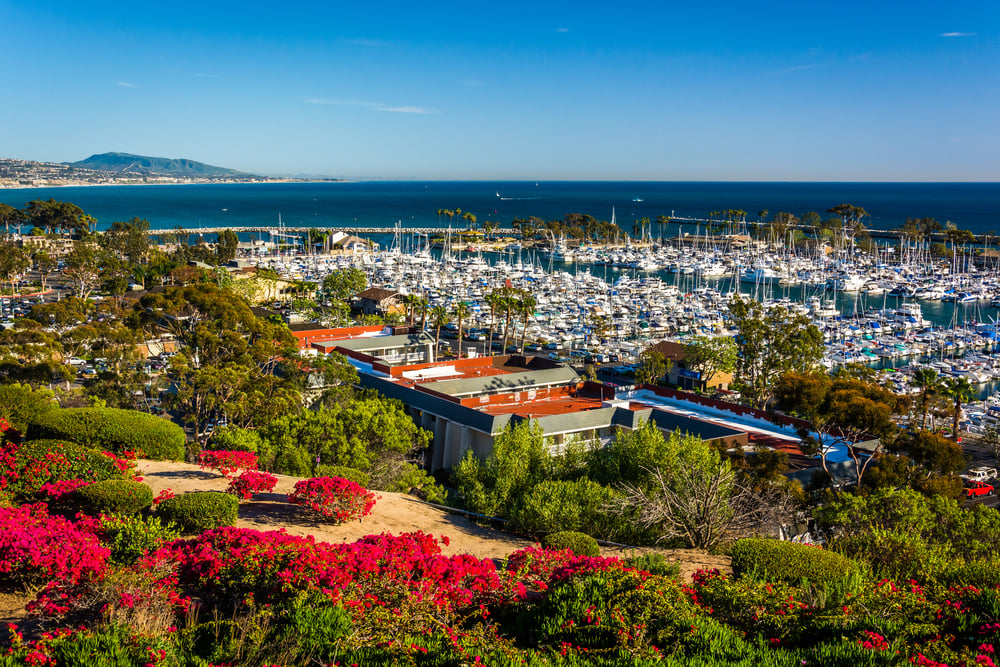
x=45, y=264
x=653, y=367
x=526, y=305
x=708, y=355
x=14, y=261
x=82, y=268
x=342, y=284
x=461, y=311
x=771, y=342
x=926, y=379
x=497, y=485
x=226, y=246
x=959, y=390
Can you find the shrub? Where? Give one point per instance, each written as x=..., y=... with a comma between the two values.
x=333, y=497
x=118, y=431
x=20, y=405
x=32, y=465
x=200, y=511
x=775, y=560
x=36, y=548
x=580, y=544
x=250, y=482
x=129, y=537
x=233, y=438
x=556, y=505
x=359, y=477
x=227, y=462
x=653, y=563
x=113, y=496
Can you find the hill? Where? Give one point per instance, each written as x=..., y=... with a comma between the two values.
x=126, y=163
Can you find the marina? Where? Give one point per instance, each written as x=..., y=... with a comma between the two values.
x=898, y=310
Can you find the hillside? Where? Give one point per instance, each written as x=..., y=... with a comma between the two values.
x=126, y=163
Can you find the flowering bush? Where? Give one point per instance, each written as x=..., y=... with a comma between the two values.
x=227, y=462
x=333, y=497
x=36, y=548
x=54, y=491
x=250, y=482
x=32, y=465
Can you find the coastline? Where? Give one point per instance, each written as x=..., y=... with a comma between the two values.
x=87, y=184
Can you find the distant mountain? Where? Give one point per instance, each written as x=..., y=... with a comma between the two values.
x=125, y=163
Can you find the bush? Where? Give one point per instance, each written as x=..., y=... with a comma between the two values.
x=580, y=544
x=200, y=511
x=232, y=438
x=129, y=537
x=117, y=431
x=20, y=405
x=250, y=482
x=653, y=563
x=555, y=505
x=227, y=462
x=29, y=467
x=359, y=477
x=333, y=497
x=113, y=496
x=774, y=560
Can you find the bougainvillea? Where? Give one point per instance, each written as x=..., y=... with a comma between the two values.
x=227, y=462
x=57, y=490
x=38, y=549
x=251, y=482
x=333, y=497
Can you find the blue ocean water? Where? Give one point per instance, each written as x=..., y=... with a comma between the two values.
x=973, y=206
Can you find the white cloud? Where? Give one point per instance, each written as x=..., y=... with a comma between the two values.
x=203, y=75
x=418, y=110
x=126, y=84
x=957, y=34
x=562, y=29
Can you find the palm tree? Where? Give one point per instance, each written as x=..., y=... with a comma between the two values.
x=439, y=318
x=926, y=379
x=410, y=302
x=423, y=304
x=509, y=305
x=462, y=311
x=526, y=305
x=495, y=301
x=959, y=390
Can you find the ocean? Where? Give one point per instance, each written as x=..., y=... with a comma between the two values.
x=973, y=206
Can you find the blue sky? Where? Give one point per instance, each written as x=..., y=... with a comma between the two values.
x=844, y=91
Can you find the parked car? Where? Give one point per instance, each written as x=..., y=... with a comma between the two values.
x=972, y=489
x=981, y=474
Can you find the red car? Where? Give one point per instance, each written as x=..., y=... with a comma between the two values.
x=973, y=489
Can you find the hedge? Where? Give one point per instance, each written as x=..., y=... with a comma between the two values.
x=775, y=560
x=112, y=429
x=113, y=496
x=200, y=511
x=580, y=543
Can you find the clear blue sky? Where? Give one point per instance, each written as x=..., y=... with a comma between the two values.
x=538, y=90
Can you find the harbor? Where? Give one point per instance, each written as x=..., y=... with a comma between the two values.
x=899, y=309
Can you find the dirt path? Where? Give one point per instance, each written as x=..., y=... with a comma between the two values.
x=394, y=513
